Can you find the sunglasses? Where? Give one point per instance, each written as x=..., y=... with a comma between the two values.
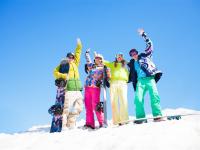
x=71, y=57
x=133, y=54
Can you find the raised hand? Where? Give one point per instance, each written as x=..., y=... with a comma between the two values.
x=78, y=41
x=88, y=50
x=140, y=31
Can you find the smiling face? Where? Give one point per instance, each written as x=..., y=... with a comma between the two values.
x=135, y=57
x=70, y=59
x=134, y=54
x=119, y=58
x=98, y=60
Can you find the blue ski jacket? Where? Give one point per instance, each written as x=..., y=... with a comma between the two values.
x=145, y=62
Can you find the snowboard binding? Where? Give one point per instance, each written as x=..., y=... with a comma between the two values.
x=175, y=117
x=99, y=107
x=60, y=82
x=55, y=110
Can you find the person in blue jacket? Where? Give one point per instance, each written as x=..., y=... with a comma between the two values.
x=144, y=75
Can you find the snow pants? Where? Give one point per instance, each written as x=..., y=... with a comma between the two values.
x=119, y=103
x=73, y=105
x=92, y=99
x=144, y=85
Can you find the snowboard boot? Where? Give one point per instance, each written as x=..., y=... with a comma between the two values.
x=140, y=121
x=88, y=127
x=158, y=119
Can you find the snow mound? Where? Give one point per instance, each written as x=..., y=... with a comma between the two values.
x=181, y=134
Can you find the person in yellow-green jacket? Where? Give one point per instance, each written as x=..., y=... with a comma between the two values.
x=118, y=89
x=73, y=103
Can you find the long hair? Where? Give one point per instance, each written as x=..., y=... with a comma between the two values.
x=123, y=63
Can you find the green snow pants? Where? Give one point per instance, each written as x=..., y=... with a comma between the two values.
x=144, y=85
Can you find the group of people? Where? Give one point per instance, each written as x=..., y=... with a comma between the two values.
x=140, y=70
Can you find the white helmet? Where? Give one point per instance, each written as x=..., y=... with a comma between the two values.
x=98, y=55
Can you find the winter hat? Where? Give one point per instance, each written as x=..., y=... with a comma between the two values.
x=133, y=52
x=119, y=54
x=70, y=54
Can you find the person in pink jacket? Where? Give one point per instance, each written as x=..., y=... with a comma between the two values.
x=92, y=89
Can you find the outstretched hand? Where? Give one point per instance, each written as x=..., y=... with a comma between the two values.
x=78, y=41
x=88, y=50
x=140, y=31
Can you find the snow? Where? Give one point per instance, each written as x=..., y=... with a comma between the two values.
x=181, y=134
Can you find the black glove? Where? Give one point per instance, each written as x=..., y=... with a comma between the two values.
x=60, y=82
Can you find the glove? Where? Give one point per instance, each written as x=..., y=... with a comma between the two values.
x=78, y=41
x=87, y=51
x=140, y=31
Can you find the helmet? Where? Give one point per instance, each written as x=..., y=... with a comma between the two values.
x=96, y=55
x=70, y=54
x=99, y=56
x=133, y=52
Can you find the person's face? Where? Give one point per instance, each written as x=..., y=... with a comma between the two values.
x=119, y=58
x=71, y=59
x=134, y=56
x=98, y=60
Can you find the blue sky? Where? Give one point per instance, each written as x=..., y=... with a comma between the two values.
x=36, y=34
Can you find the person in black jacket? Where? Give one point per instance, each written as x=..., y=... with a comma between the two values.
x=144, y=75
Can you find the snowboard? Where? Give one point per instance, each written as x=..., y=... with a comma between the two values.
x=56, y=111
x=157, y=119
x=105, y=107
x=105, y=84
x=151, y=119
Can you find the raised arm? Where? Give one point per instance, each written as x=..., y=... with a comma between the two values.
x=78, y=52
x=149, y=44
x=87, y=56
x=107, y=63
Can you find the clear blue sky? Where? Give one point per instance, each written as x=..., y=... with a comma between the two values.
x=36, y=34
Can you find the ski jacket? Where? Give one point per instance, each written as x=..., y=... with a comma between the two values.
x=95, y=73
x=145, y=62
x=118, y=73
x=72, y=77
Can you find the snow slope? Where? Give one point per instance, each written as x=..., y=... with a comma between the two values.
x=167, y=135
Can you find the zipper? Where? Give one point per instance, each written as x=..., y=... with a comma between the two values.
x=74, y=76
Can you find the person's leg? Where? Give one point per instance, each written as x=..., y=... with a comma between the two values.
x=65, y=110
x=114, y=103
x=88, y=107
x=96, y=101
x=71, y=120
x=75, y=108
x=78, y=104
x=154, y=96
x=139, y=99
x=123, y=101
